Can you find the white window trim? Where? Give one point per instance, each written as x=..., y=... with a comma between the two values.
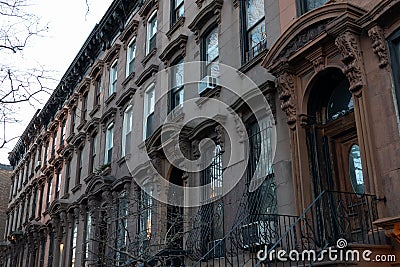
x=128, y=110
x=110, y=145
x=145, y=108
x=113, y=86
x=151, y=17
x=128, y=59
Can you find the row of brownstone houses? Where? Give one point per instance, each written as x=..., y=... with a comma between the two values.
x=320, y=164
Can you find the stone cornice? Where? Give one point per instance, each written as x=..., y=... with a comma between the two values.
x=130, y=30
x=211, y=11
x=146, y=74
x=176, y=47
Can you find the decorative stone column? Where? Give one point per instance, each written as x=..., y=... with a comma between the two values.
x=348, y=44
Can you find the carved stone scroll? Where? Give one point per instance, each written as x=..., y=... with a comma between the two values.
x=379, y=45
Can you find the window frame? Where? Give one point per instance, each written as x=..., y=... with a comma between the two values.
x=93, y=152
x=393, y=42
x=109, y=144
x=302, y=7
x=204, y=50
x=176, y=89
x=130, y=57
x=49, y=192
x=126, y=146
x=245, y=33
x=149, y=38
x=148, y=111
x=112, y=88
x=174, y=11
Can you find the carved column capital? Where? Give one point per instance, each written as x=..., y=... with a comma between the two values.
x=349, y=47
x=379, y=45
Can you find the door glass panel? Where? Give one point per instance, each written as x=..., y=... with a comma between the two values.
x=340, y=103
x=356, y=171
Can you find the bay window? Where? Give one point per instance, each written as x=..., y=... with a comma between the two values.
x=151, y=32
x=127, y=131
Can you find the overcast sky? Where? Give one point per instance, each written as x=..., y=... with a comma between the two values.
x=69, y=26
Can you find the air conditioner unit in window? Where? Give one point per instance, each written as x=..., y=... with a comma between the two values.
x=216, y=249
x=208, y=83
x=259, y=233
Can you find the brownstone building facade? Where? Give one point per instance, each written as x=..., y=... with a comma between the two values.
x=303, y=155
x=5, y=174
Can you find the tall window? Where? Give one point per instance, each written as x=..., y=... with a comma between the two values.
x=130, y=57
x=79, y=167
x=27, y=171
x=122, y=225
x=88, y=228
x=113, y=78
x=145, y=218
x=46, y=149
x=127, y=131
x=394, y=47
x=151, y=32
x=39, y=157
x=210, y=53
x=177, y=83
x=84, y=108
x=21, y=179
x=63, y=127
x=58, y=184
x=304, y=6
x=40, y=201
x=148, y=121
x=177, y=10
x=34, y=201
x=109, y=143
x=93, y=157
x=74, y=238
x=54, y=144
x=262, y=199
x=51, y=249
x=49, y=192
x=73, y=121
x=42, y=250
x=97, y=92
x=67, y=176
x=212, y=174
x=253, y=28
x=212, y=182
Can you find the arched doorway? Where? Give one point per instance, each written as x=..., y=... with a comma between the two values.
x=333, y=148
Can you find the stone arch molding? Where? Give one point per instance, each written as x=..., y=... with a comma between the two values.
x=322, y=38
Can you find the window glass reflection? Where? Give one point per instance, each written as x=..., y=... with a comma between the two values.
x=356, y=170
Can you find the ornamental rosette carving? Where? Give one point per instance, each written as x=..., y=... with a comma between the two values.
x=379, y=45
x=285, y=84
x=351, y=53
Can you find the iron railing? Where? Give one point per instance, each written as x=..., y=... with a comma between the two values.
x=330, y=217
